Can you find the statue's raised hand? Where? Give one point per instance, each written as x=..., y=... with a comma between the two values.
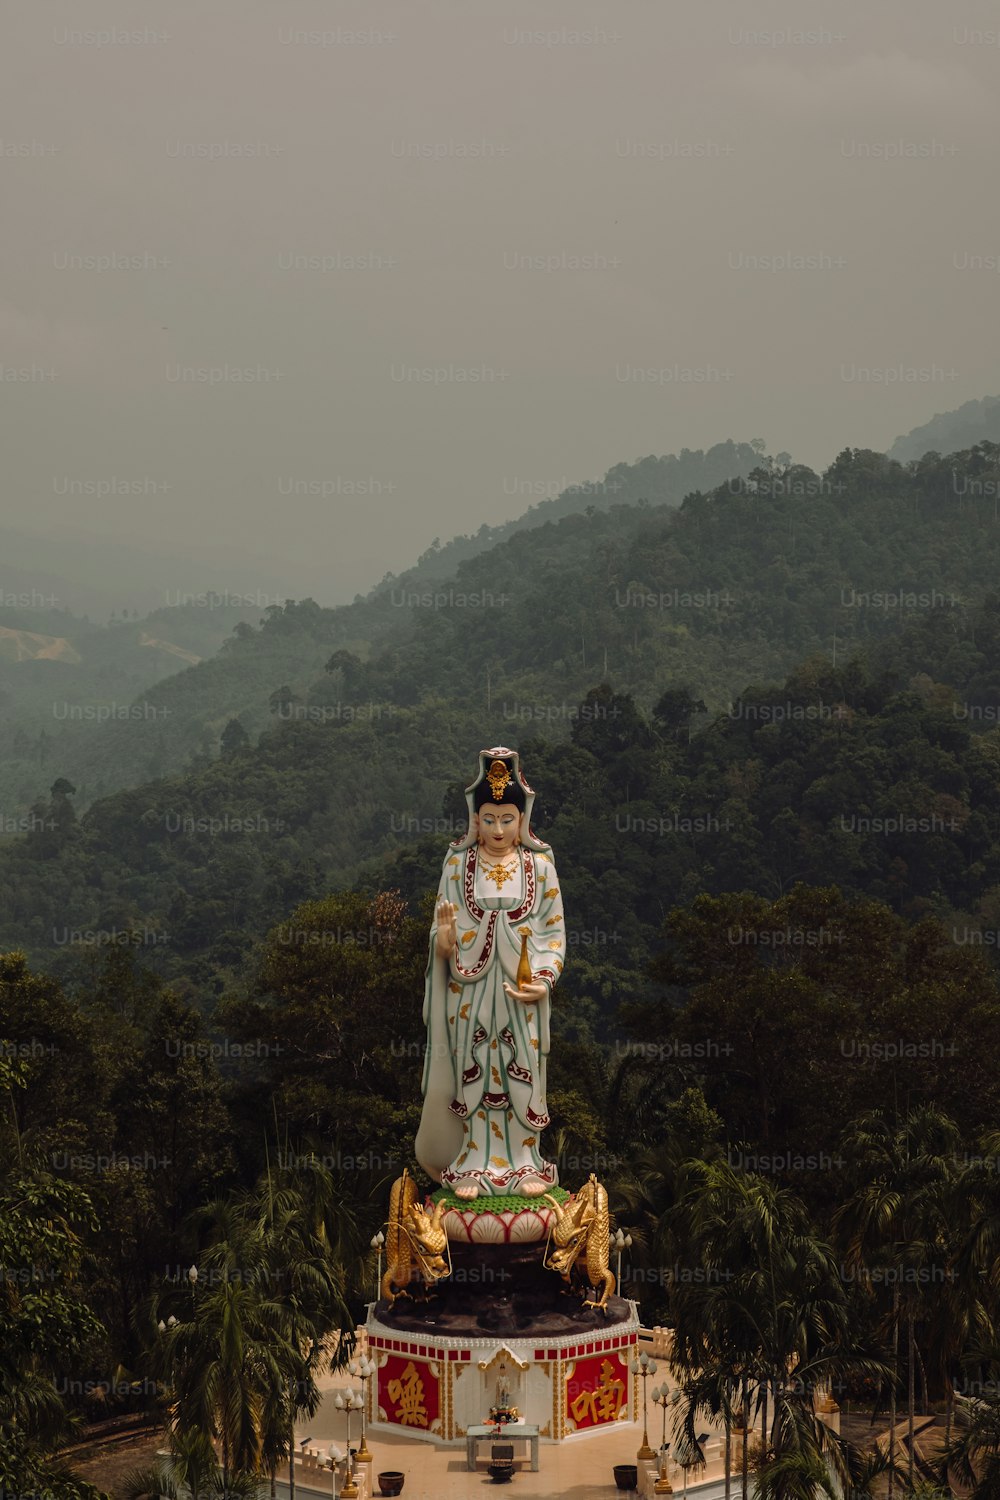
x=447, y=929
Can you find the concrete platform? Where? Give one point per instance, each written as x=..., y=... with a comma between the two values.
x=578, y=1468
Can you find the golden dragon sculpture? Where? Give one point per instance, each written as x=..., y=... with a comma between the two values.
x=583, y=1229
x=415, y=1243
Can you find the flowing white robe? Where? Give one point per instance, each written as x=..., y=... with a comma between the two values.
x=484, y=1068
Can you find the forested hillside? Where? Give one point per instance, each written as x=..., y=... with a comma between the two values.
x=947, y=432
x=767, y=749
x=655, y=481
x=742, y=581
x=77, y=701
x=63, y=677
x=674, y=753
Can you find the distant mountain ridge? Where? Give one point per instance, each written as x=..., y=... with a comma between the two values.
x=318, y=745
x=842, y=632
x=186, y=717
x=62, y=677
x=663, y=480
x=951, y=431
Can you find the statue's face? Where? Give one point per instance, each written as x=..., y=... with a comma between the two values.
x=499, y=827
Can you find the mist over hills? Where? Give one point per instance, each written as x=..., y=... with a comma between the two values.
x=88, y=707
x=91, y=573
x=947, y=432
x=621, y=646
x=304, y=744
x=98, y=751
x=377, y=393
x=658, y=481
x=62, y=677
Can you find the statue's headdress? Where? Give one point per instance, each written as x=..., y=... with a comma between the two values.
x=499, y=780
x=498, y=786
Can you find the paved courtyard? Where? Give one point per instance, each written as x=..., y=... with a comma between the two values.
x=578, y=1467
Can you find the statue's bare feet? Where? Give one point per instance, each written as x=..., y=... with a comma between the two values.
x=533, y=1187
x=467, y=1189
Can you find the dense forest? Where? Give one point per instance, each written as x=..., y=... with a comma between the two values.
x=776, y=814
x=63, y=677
x=834, y=720
x=73, y=693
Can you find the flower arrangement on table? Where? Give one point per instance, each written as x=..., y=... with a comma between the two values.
x=500, y=1415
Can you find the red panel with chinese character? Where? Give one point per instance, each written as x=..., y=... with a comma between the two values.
x=408, y=1392
x=596, y=1391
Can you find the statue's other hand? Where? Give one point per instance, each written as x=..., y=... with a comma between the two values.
x=447, y=928
x=529, y=994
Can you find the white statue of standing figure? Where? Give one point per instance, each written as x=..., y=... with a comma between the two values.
x=487, y=1034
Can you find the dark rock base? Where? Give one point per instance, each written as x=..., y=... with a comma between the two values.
x=502, y=1289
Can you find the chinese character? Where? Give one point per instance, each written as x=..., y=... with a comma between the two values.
x=604, y=1402
x=408, y=1392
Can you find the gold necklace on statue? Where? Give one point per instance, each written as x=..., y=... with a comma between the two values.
x=501, y=873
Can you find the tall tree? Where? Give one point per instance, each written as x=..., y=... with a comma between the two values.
x=894, y=1227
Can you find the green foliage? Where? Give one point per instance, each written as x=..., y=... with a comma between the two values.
x=64, y=680
x=872, y=773
x=191, y=1471
x=331, y=1014
x=777, y=825
x=861, y=1000
x=242, y=1357
x=47, y=1326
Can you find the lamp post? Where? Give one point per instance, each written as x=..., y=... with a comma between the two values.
x=364, y=1369
x=348, y=1402
x=661, y=1395
x=193, y=1279
x=685, y=1457
x=621, y=1242
x=303, y=1444
x=377, y=1241
x=645, y=1367
x=335, y=1456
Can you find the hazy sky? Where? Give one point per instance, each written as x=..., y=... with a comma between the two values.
x=470, y=252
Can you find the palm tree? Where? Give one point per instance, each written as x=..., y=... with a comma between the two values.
x=897, y=1219
x=244, y=1365
x=796, y=1475
x=706, y=1353
x=710, y=1391
x=646, y=1190
x=962, y=1314
x=190, y=1472
x=222, y=1364
x=977, y=1210
x=224, y=1358
x=308, y=1231
x=974, y=1454
x=769, y=1317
